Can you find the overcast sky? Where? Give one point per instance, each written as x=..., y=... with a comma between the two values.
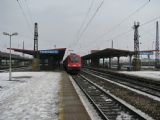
x=59, y=22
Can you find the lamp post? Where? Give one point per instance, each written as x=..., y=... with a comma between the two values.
x=10, y=62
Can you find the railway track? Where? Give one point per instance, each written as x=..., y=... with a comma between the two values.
x=107, y=105
x=152, y=88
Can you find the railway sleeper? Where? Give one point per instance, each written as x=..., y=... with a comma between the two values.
x=108, y=110
x=108, y=107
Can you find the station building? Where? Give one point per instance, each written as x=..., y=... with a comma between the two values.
x=44, y=59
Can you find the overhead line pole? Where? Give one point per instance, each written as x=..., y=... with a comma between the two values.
x=136, y=39
x=157, y=47
x=136, y=60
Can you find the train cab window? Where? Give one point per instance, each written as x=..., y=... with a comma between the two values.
x=74, y=59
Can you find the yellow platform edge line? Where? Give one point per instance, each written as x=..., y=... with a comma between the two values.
x=61, y=104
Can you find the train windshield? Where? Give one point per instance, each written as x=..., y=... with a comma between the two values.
x=74, y=59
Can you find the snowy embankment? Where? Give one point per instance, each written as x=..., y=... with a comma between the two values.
x=30, y=95
x=147, y=74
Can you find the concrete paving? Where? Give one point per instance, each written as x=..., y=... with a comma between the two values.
x=71, y=108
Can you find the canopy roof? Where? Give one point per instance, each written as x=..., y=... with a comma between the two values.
x=58, y=53
x=107, y=53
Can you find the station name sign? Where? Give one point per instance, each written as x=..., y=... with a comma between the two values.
x=146, y=53
x=49, y=51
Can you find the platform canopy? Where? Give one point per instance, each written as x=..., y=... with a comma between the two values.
x=57, y=53
x=107, y=53
x=4, y=55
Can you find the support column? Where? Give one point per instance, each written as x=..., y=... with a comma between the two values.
x=95, y=62
x=118, y=64
x=130, y=63
x=103, y=62
x=89, y=62
x=110, y=62
x=0, y=63
x=6, y=62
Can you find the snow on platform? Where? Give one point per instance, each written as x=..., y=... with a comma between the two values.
x=29, y=96
x=146, y=74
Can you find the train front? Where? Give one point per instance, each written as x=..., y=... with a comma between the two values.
x=74, y=63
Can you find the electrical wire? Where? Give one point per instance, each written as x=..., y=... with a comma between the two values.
x=83, y=23
x=29, y=12
x=85, y=18
x=124, y=33
x=143, y=24
x=123, y=20
x=89, y=22
x=26, y=19
x=149, y=21
x=117, y=36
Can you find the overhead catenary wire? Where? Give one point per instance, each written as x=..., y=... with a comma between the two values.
x=87, y=25
x=85, y=18
x=130, y=30
x=83, y=23
x=123, y=20
x=25, y=17
x=149, y=21
x=90, y=20
x=119, y=35
x=29, y=12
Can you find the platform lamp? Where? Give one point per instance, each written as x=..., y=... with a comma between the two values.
x=10, y=62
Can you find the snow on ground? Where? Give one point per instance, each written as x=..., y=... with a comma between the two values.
x=29, y=96
x=148, y=74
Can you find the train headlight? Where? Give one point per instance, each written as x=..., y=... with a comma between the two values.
x=69, y=65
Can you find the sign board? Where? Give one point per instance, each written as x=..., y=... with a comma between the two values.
x=146, y=53
x=49, y=51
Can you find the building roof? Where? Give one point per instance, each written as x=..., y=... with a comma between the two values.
x=108, y=52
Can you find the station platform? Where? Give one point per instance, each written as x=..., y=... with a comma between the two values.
x=71, y=108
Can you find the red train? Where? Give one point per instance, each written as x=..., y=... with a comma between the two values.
x=72, y=63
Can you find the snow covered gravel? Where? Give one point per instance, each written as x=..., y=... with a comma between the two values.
x=148, y=74
x=29, y=96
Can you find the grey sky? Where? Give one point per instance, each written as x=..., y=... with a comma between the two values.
x=60, y=20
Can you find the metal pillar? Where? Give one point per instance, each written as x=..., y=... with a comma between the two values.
x=136, y=60
x=103, y=62
x=118, y=64
x=89, y=62
x=36, y=37
x=6, y=62
x=95, y=62
x=157, y=47
x=0, y=62
x=110, y=62
x=10, y=63
x=23, y=49
x=130, y=63
x=35, y=63
x=136, y=39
